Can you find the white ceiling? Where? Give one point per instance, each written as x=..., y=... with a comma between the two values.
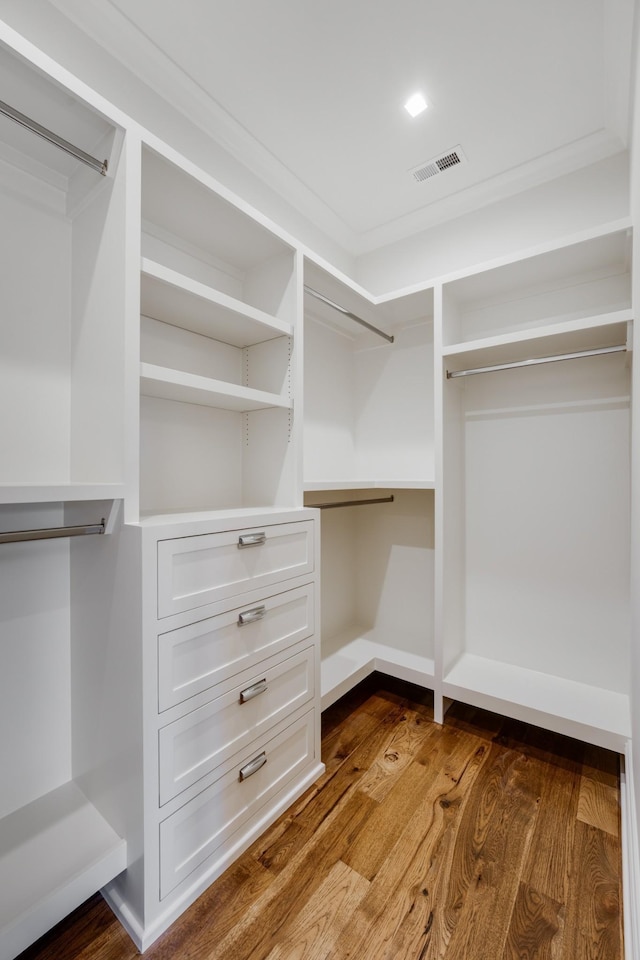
x=309, y=94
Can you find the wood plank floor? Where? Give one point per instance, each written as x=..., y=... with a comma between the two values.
x=483, y=839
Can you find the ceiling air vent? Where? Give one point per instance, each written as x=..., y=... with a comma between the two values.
x=437, y=165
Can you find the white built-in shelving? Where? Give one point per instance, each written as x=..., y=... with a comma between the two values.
x=218, y=359
x=369, y=436
x=63, y=278
x=535, y=489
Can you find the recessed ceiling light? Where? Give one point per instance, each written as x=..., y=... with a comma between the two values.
x=415, y=104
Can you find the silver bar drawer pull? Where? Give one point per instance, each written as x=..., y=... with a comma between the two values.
x=250, y=616
x=251, y=539
x=252, y=767
x=253, y=691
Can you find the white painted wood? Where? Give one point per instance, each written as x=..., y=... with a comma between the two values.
x=166, y=384
x=546, y=519
x=196, y=657
x=585, y=711
x=58, y=492
x=630, y=854
x=35, y=703
x=191, y=747
x=350, y=656
x=377, y=584
x=177, y=299
x=100, y=260
x=368, y=403
x=190, y=457
x=195, y=571
x=587, y=333
x=195, y=831
x=535, y=539
x=183, y=896
x=560, y=285
x=213, y=274
x=366, y=484
x=183, y=205
x=54, y=853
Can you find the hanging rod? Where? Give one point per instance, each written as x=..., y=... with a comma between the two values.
x=529, y=363
x=351, y=503
x=347, y=313
x=24, y=121
x=51, y=533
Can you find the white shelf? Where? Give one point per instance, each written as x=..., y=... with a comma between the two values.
x=167, y=384
x=350, y=656
x=604, y=330
x=59, y=492
x=54, y=853
x=176, y=299
x=368, y=484
x=575, y=709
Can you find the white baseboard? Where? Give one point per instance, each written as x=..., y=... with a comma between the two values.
x=630, y=859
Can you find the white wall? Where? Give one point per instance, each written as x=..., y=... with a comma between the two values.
x=595, y=195
x=635, y=491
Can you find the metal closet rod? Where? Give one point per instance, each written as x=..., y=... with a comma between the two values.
x=347, y=313
x=37, y=128
x=530, y=363
x=351, y=503
x=52, y=533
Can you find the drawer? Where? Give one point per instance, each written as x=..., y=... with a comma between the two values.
x=194, y=745
x=193, y=658
x=192, y=834
x=194, y=571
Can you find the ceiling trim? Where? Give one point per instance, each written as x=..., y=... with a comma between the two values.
x=131, y=47
x=582, y=153
x=123, y=40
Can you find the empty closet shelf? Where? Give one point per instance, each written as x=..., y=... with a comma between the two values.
x=54, y=853
x=183, y=302
x=166, y=384
x=575, y=709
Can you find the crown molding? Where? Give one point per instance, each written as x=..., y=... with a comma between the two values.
x=125, y=42
x=114, y=32
x=574, y=156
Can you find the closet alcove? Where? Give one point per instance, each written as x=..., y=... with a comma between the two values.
x=369, y=437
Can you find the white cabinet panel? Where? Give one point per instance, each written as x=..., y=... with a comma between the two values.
x=192, y=746
x=194, y=658
x=194, y=571
x=195, y=831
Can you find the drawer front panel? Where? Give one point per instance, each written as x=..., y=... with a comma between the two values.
x=192, y=746
x=195, y=831
x=194, y=658
x=194, y=571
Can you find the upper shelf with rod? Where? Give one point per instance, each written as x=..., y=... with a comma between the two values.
x=50, y=137
x=602, y=332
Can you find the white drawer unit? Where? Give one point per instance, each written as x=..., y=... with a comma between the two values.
x=199, y=828
x=193, y=658
x=191, y=747
x=195, y=571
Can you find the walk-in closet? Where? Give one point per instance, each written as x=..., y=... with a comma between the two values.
x=261, y=439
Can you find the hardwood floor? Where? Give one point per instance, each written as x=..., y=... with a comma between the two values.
x=483, y=839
